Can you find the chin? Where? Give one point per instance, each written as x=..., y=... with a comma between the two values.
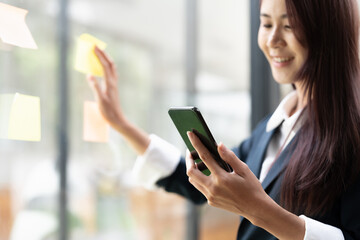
x=282, y=80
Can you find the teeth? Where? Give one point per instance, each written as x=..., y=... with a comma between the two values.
x=281, y=60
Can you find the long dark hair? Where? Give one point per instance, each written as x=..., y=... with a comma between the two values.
x=326, y=160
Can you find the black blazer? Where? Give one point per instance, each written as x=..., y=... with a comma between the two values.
x=345, y=214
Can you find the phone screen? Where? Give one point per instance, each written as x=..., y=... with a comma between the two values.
x=190, y=119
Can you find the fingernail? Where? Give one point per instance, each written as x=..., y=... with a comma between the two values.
x=96, y=49
x=90, y=78
x=222, y=147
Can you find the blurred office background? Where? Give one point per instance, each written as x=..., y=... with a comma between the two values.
x=168, y=53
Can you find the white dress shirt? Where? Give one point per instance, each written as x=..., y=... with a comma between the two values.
x=286, y=131
x=161, y=159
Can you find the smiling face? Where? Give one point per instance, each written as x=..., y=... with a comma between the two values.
x=276, y=39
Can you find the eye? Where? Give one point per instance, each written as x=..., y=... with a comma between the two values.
x=267, y=25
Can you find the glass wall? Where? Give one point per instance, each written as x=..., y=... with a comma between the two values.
x=223, y=89
x=146, y=40
x=28, y=175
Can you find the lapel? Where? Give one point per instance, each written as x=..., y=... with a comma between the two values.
x=279, y=164
x=257, y=159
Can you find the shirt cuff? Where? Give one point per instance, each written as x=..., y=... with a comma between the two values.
x=315, y=230
x=159, y=160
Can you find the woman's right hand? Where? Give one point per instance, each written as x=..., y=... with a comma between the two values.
x=107, y=98
x=106, y=92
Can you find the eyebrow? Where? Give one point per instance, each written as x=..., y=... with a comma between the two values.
x=268, y=16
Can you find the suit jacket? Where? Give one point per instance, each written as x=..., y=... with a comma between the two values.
x=345, y=214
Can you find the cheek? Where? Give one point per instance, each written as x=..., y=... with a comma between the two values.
x=303, y=54
x=298, y=48
x=262, y=40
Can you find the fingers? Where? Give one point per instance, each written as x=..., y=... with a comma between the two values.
x=201, y=166
x=204, y=154
x=107, y=64
x=194, y=155
x=199, y=186
x=229, y=156
x=196, y=177
x=189, y=160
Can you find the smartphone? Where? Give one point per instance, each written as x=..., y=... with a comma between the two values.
x=190, y=119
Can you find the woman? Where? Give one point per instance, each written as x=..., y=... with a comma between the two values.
x=306, y=154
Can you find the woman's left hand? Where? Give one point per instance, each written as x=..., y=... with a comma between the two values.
x=239, y=191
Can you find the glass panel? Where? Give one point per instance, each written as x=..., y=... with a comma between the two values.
x=28, y=176
x=146, y=41
x=224, y=89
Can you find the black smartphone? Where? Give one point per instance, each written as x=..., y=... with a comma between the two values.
x=190, y=119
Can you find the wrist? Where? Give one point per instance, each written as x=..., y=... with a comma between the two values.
x=278, y=221
x=122, y=125
x=119, y=122
x=264, y=213
x=138, y=139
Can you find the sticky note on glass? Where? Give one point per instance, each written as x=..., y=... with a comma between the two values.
x=85, y=59
x=20, y=117
x=96, y=129
x=13, y=29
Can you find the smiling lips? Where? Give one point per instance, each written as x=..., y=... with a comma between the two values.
x=282, y=61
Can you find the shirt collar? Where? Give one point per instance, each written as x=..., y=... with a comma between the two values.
x=283, y=111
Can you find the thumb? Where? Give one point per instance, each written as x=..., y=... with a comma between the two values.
x=229, y=156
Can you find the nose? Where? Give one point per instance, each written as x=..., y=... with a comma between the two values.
x=275, y=38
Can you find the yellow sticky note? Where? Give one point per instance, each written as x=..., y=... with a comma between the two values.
x=13, y=29
x=85, y=59
x=21, y=119
x=96, y=129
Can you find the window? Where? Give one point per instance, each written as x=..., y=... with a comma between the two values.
x=223, y=89
x=146, y=40
x=29, y=182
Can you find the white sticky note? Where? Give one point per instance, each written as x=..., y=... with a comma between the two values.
x=96, y=129
x=13, y=28
x=21, y=117
x=85, y=59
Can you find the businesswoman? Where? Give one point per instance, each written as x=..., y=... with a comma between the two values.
x=297, y=175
